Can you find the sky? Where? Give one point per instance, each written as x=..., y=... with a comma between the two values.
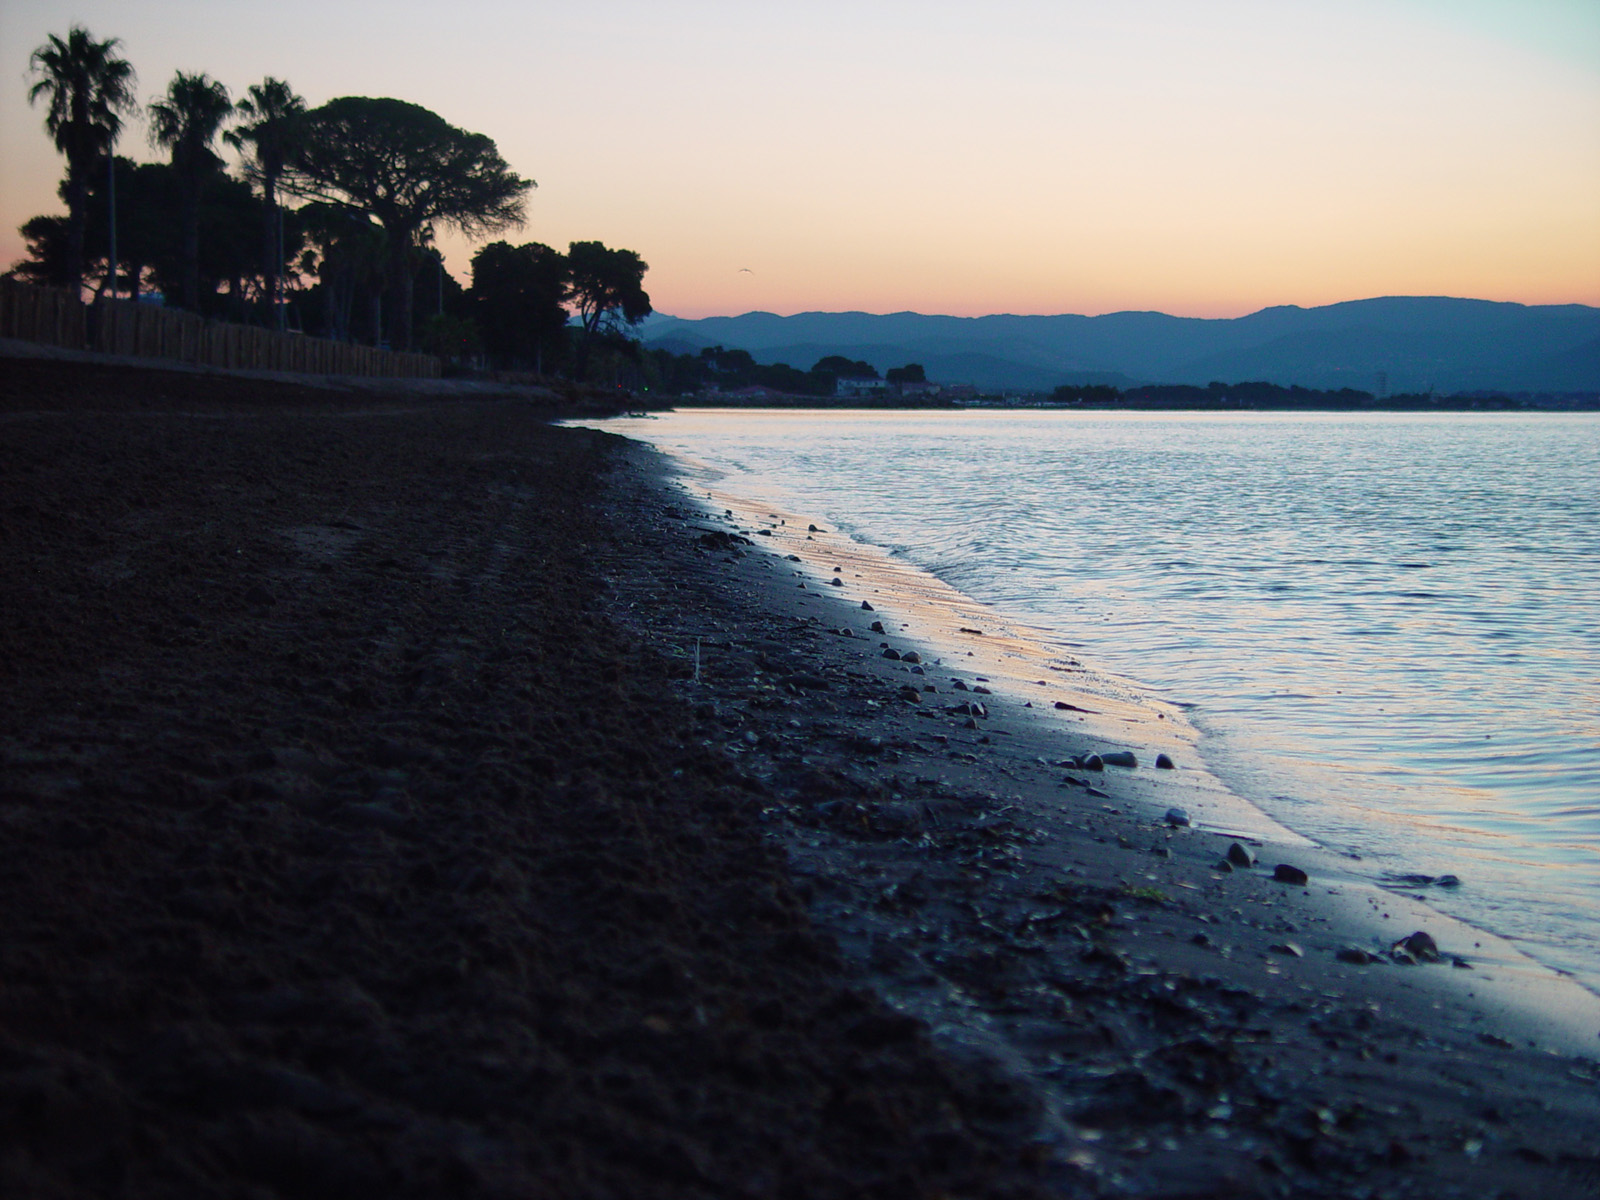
x=1199, y=157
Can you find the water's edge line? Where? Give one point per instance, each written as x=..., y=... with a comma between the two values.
x=1520, y=999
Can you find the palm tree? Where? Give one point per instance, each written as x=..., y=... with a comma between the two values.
x=186, y=121
x=88, y=86
x=269, y=109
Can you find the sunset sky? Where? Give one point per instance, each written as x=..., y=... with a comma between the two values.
x=1028, y=156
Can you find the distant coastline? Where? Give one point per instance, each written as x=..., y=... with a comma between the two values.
x=1390, y=349
x=1253, y=397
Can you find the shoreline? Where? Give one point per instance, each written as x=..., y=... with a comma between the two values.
x=1292, y=707
x=1192, y=922
x=1107, y=712
x=375, y=827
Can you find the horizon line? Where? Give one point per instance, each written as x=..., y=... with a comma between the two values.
x=907, y=312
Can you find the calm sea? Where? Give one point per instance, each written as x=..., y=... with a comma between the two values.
x=1388, y=625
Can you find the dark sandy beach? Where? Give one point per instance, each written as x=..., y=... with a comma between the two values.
x=400, y=796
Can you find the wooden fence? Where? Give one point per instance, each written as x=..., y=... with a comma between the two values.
x=54, y=317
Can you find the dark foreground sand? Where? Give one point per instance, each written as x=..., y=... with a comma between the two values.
x=366, y=831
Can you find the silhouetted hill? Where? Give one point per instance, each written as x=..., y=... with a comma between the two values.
x=1417, y=342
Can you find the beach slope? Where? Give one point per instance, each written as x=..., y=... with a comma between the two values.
x=372, y=827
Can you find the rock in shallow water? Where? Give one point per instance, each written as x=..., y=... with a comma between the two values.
x=1119, y=758
x=1420, y=945
x=1177, y=816
x=1240, y=856
x=1284, y=873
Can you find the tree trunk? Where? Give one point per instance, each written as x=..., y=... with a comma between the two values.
x=191, y=246
x=270, y=263
x=400, y=289
x=77, y=219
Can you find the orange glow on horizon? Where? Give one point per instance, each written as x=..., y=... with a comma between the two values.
x=1033, y=158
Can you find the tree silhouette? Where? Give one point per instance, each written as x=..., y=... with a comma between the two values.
x=186, y=121
x=607, y=288
x=270, y=111
x=408, y=169
x=516, y=298
x=88, y=87
x=347, y=257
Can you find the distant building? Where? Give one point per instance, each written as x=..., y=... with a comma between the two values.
x=856, y=388
x=754, y=394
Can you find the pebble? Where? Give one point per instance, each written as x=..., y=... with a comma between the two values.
x=812, y=528
x=865, y=607
x=911, y=656
x=836, y=581
x=877, y=627
x=892, y=653
x=1224, y=866
x=1284, y=873
x=1119, y=758
x=958, y=685
x=1421, y=945
x=1240, y=856
x=1289, y=948
x=1093, y=763
x=1177, y=816
x=846, y=631
x=1354, y=954
x=1164, y=763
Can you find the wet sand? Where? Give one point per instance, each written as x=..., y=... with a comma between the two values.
x=372, y=827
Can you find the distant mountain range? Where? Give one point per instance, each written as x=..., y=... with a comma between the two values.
x=1396, y=343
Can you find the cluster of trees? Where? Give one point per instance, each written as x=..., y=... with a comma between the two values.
x=720, y=369
x=1215, y=395
x=335, y=207
x=516, y=307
